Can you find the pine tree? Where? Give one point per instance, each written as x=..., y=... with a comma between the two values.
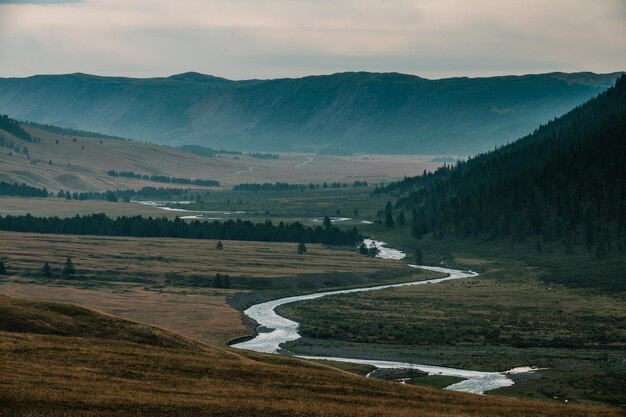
x=217, y=281
x=363, y=249
x=327, y=222
x=388, y=208
x=373, y=250
x=226, y=281
x=301, y=248
x=601, y=246
x=389, y=220
x=419, y=260
x=3, y=269
x=401, y=219
x=588, y=227
x=46, y=271
x=68, y=269
x=219, y=245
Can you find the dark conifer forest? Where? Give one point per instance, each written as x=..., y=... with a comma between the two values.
x=13, y=127
x=565, y=181
x=21, y=190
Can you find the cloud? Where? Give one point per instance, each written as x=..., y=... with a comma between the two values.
x=278, y=38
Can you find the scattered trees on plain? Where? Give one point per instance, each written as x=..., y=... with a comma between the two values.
x=46, y=271
x=301, y=248
x=68, y=269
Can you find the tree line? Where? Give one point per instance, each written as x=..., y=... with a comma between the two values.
x=21, y=190
x=73, y=132
x=260, y=155
x=212, y=153
x=283, y=186
x=163, y=178
x=138, y=226
x=124, y=195
x=206, y=151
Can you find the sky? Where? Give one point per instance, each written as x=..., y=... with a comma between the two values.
x=243, y=39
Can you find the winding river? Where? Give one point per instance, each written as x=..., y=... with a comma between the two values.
x=273, y=330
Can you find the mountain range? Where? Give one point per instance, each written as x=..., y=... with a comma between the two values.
x=345, y=112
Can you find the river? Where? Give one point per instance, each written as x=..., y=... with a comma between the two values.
x=273, y=330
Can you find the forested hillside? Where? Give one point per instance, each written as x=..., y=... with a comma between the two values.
x=564, y=182
x=339, y=113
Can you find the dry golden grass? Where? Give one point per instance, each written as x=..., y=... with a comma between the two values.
x=125, y=276
x=202, y=315
x=119, y=368
x=89, y=160
x=128, y=258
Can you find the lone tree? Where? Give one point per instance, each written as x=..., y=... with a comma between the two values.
x=217, y=281
x=68, y=269
x=46, y=271
x=419, y=259
x=219, y=245
x=363, y=249
x=301, y=248
x=327, y=222
x=373, y=250
x=3, y=269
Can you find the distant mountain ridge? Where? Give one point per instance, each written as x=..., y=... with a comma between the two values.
x=355, y=111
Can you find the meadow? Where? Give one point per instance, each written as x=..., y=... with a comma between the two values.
x=171, y=282
x=516, y=313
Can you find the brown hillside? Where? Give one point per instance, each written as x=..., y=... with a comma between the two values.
x=67, y=361
x=80, y=164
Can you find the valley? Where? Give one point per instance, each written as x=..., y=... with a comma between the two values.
x=312, y=208
x=538, y=302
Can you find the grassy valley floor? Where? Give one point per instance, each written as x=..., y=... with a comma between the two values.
x=509, y=316
x=171, y=282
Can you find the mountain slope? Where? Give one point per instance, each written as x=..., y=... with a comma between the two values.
x=565, y=182
x=60, y=360
x=366, y=112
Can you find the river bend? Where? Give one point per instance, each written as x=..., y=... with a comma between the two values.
x=273, y=330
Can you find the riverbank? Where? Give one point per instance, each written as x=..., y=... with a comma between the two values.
x=274, y=330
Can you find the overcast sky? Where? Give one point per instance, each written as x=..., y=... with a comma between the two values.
x=241, y=39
